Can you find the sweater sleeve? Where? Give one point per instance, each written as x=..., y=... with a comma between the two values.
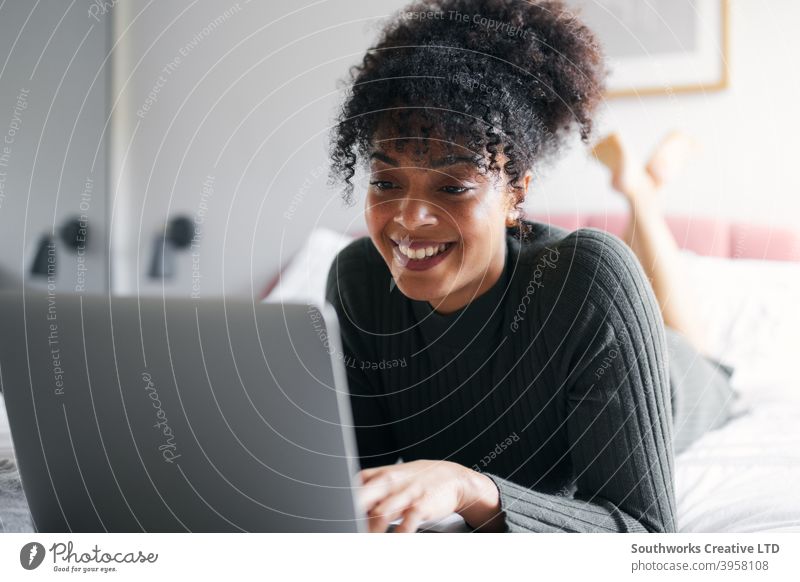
x=374, y=438
x=607, y=335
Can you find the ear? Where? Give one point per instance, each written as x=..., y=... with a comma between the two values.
x=524, y=182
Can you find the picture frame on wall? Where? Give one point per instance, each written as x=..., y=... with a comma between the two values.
x=658, y=47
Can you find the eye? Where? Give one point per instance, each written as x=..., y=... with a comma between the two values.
x=455, y=189
x=383, y=184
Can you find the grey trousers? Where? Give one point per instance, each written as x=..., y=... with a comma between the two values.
x=701, y=392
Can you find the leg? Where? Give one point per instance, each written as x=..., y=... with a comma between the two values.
x=701, y=394
x=647, y=232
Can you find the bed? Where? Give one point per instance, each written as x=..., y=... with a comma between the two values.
x=742, y=477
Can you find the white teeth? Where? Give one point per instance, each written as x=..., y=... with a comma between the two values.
x=422, y=253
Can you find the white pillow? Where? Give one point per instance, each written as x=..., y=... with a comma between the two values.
x=750, y=309
x=303, y=280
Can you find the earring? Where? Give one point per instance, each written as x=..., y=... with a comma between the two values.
x=512, y=218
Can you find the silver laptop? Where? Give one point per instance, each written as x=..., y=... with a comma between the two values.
x=150, y=414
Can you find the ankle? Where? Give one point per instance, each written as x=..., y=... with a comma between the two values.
x=639, y=190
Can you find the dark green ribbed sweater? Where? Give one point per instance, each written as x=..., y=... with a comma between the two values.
x=553, y=383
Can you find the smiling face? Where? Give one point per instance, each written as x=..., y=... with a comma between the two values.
x=432, y=202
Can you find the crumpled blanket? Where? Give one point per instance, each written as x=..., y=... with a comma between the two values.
x=14, y=514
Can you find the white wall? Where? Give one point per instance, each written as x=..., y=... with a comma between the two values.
x=251, y=105
x=749, y=133
x=53, y=88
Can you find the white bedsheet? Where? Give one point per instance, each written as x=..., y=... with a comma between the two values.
x=6, y=448
x=744, y=477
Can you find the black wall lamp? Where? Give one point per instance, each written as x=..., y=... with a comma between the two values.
x=44, y=263
x=74, y=234
x=176, y=236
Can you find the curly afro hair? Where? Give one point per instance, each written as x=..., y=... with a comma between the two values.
x=494, y=76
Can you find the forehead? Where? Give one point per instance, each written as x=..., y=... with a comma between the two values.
x=429, y=152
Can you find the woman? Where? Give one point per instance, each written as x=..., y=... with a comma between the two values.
x=519, y=371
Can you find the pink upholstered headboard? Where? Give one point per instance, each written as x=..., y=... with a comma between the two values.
x=704, y=236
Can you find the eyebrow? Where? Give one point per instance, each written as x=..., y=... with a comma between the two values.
x=451, y=160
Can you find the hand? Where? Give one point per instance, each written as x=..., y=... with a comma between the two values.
x=426, y=490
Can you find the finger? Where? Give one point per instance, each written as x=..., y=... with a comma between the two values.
x=396, y=503
x=411, y=520
x=367, y=474
x=392, y=471
x=372, y=493
x=380, y=523
x=378, y=489
x=389, y=509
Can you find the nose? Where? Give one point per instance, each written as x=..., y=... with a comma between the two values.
x=414, y=212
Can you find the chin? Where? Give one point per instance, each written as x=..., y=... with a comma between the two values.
x=418, y=292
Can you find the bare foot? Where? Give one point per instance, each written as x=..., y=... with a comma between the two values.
x=626, y=177
x=670, y=156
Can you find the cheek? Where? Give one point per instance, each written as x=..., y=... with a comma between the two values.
x=377, y=215
x=477, y=224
